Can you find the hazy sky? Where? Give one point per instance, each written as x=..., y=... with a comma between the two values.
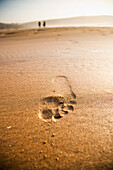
x=31, y=10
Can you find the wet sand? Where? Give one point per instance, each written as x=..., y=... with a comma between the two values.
x=56, y=98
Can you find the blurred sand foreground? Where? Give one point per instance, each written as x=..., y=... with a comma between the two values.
x=56, y=98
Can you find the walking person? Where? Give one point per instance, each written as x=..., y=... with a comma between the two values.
x=39, y=24
x=44, y=24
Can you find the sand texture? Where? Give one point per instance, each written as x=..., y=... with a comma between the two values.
x=56, y=98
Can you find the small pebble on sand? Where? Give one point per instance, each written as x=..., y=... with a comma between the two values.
x=45, y=156
x=8, y=127
x=53, y=135
x=44, y=142
x=52, y=144
x=57, y=159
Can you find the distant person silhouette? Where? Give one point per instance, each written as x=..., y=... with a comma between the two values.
x=39, y=24
x=44, y=24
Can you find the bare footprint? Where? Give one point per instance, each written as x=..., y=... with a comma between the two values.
x=53, y=108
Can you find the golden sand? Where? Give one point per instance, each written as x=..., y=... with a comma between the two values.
x=56, y=98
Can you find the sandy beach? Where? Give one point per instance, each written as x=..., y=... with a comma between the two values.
x=56, y=98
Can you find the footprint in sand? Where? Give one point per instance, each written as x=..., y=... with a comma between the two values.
x=55, y=107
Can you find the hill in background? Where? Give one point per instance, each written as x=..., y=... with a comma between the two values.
x=66, y=22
